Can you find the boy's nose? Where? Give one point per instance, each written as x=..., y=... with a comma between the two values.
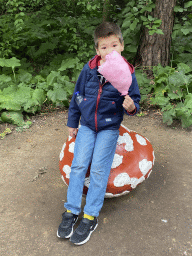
x=109, y=50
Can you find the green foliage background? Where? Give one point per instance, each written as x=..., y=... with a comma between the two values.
x=45, y=43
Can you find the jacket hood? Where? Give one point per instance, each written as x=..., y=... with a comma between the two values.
x=94, y=63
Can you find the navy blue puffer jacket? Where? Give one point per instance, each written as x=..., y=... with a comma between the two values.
x=102, y=105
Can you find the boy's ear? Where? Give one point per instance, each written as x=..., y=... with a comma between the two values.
x=122, y=45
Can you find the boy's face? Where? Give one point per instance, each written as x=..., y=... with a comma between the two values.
x=108, y=44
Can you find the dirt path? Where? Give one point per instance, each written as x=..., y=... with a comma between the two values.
x=154, y=219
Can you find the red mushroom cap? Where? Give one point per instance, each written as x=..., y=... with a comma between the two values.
x=132, y=164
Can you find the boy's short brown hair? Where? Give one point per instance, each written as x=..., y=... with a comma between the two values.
x=106, y=29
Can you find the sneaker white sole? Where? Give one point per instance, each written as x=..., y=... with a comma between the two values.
x=87, y=239
x=65, y=236
x=69, y=234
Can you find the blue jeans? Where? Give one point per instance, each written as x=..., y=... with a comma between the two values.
x=97, y=148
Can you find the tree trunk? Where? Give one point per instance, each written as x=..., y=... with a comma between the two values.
x=155, y=49
x=106, y=10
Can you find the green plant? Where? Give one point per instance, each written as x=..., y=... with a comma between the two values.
x=14, y=118
x=3, y=134
x=181, y=50
x=12, y=63
x=145, y=85
x=23, y=93
x=39, y=30
x=173, y=93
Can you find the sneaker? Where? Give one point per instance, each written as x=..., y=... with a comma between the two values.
x=65, y=229
x=83, y=232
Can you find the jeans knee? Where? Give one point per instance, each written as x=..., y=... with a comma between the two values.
x=79, y=170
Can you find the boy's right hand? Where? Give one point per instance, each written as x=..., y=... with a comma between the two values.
x=72, y=132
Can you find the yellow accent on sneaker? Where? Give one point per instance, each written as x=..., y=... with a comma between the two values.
x=68, y=211
x=89, y=217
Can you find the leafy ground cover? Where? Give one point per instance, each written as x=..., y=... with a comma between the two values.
x=21, y=92
x=170, y=90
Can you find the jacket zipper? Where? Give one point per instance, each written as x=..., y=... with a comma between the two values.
x=97, y=104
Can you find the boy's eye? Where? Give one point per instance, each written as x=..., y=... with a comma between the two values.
x=103, y=48
x=114, y=45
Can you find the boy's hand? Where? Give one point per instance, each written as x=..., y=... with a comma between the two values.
x=128, y=104
x=72, y=132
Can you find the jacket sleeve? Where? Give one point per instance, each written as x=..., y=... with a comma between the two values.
x=134, y=94
x=74, y=112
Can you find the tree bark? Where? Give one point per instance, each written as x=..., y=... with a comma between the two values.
x=155, y=49
x=106, y=10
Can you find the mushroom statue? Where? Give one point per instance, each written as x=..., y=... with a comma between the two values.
x=132, y=163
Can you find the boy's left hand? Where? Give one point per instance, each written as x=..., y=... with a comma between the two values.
x=128, y=104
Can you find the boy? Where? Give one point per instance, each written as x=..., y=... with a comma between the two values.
x=100, y=112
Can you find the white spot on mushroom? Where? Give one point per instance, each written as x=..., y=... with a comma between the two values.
x=67, y=170
x=71, y=147
x=126, y=138
x=153, y=157
x=125, y=128
x=141, y=140
x=121, y=180
x=87, y=182
x=145, y=166
x=135, y=181
x=121, y=194
x=110, y=195
x=64, y=180
x=69, y=138
x=117, y=160
x=62, y=152
x=149, y=174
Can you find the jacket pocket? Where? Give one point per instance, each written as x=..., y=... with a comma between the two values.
x=107, y=107
x=87, y=109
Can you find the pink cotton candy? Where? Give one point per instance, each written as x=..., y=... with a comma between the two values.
x=116, y=70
